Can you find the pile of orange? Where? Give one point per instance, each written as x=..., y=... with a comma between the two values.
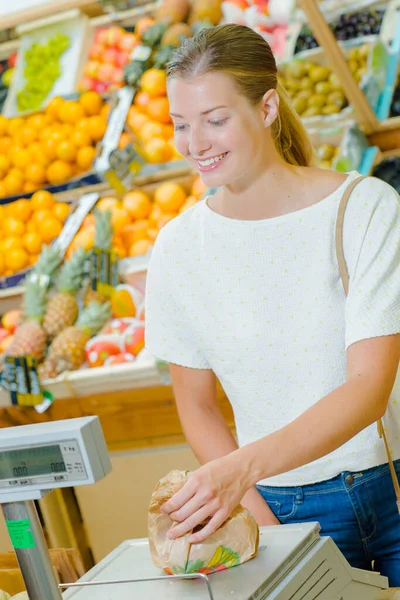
x=27, y=225
x=150, y=121
x=138, y=217
x=50, y=147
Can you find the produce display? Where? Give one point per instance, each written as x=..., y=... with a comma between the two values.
x=325, y=155
x=347, y=27
x=130, y=225
x=26, y=226
x=6, y=74
x=42, y=69
x=50, y=147
x=314, y=89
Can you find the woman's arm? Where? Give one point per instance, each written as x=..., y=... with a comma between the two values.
x=206, y=430
x=215, y=489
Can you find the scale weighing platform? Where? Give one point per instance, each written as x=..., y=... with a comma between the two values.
x=293, y=562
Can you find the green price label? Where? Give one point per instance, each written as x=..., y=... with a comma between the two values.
x=21, y=534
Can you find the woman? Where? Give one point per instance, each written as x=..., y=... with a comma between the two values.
x=245, y=287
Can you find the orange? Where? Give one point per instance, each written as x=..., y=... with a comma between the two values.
x=3, y=125
x=134, y=232
x=143, y=24
x=165, y=219
x=9, y=243
x=85, y=157
x=38, y=121
x=158, y=109
x=83, y=125
x=2, y=264
x=14, y=124
x=42, y=199
x=21, y=209
x=91, y=103
x=12, y=184
x=36, y=173
x=54, y=106
x=141, y=100
x=150, y=130
x=66, y=150
x=31, y=227
x=154, y=82
x=21, y=158
x=27, y=135
x=124, y=140
x=191, y=201
x=33, y=258
x=97, y=127
x=17, y=259
x=71, y=112
x=61, y=211
x=5, y=144
x=37, y=153
x=120, y=218
x=105, y=111
x=140, y=247
x=13, y=227
x=155, y=215
x=3, y=191
x=136, y=121
x=41, y=215
x=80, y=138
x=32, y=243
x=137, y=204
x=29, y=186
x=58, y=171
x=157, y=151
x=169, y=196
x=107, y=203
x=87, y=221
x=168, y=132
x=57, y=134
x=67, y=130
x=50, y=146
x=4, y=165
x=16, y=172
x=152, y=234
x=49, y=229
x=198, y=187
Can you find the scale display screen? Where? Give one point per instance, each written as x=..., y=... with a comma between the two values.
x=31, y=462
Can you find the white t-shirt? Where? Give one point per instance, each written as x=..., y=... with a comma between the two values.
x=261, y=303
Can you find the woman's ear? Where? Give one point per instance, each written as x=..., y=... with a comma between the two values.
x=270, y=107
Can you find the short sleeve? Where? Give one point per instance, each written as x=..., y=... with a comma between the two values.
x=167, y=335
x=373, y=302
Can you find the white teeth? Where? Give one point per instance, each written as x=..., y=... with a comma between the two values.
x=211, y=161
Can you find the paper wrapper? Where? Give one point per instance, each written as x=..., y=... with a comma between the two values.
x=234, y=543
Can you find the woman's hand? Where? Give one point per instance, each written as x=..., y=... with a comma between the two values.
x=212, y=492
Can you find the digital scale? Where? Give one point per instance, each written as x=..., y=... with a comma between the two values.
x=293, y=562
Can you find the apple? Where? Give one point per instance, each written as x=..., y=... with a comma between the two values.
x=128, y=42
x=100, y=36
x=105, y=73
x=92, y=69
x=118, y=75
x=110, y=56
x=4, y=333
x=87, y=83
x=113, y=36
x=11, y=319
x=12, y=60
x=123, y=59
x=96, y=52
x=100, y=87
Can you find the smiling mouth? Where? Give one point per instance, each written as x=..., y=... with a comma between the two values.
x=211, y=161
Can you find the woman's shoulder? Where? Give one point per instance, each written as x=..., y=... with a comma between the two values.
x=371, y=194
x=182, y=229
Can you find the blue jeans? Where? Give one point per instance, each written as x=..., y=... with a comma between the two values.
x=357, y=510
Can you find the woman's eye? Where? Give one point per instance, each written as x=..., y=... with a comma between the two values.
x=179, y=127
x=219, y=122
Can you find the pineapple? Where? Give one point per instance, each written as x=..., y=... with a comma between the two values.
x=67, y=350
x=30, y=337
x=103, y=241
x=62, y=310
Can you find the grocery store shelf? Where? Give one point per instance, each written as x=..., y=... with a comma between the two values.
x=90, y=7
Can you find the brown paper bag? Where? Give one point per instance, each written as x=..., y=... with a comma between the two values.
x=234, y=543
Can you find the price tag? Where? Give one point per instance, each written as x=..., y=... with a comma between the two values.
x=104, y=275
x=75, y=220
x=124, y=166
x=22, y=380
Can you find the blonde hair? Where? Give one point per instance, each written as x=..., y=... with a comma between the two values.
x=247, y=58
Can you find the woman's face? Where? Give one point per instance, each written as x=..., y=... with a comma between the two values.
x=217, y=129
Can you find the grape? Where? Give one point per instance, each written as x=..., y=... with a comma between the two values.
x=42, y=69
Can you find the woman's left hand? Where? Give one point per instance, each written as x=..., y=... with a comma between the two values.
x=213, y=491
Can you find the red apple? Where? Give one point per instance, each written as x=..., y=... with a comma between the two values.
x=87, y=83
x=11, y=319
x=123, y=59
x=101, y=87
x=110, y=56
x=113, y=36
x=100, y=36
x=12, y=60
x=118, y=75
x=92, y=69
x=105, y=73
x=96, y=52
x=128, y=42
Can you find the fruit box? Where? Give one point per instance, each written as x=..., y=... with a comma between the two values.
x=372, y=83
x=73, y=25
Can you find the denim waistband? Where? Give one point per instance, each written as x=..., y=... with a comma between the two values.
x=336, y=484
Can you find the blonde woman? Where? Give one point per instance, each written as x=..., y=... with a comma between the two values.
x=245, y=287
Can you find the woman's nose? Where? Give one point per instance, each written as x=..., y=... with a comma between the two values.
x=198, y=143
